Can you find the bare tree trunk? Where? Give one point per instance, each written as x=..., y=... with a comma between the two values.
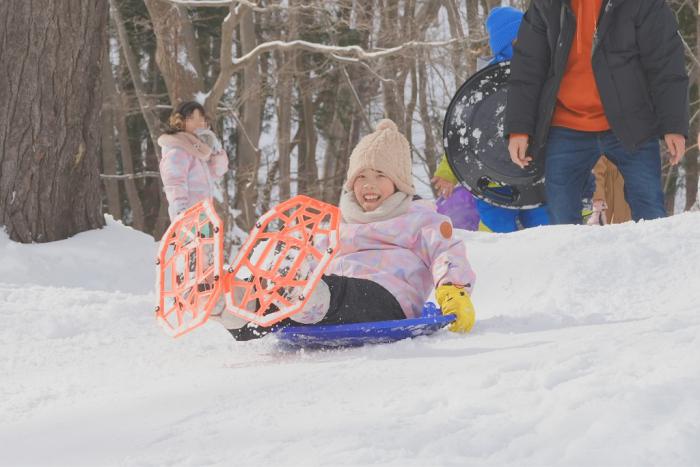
x=286, y=63
x=308, y=170
x=431, y=154
x=228, y=27
x=394, y=30
x=331, y=158
x=411, y=105
x=488, y=5
x=691, y=180
x=456, y=30
x=691, y=160
x=409, y=31
x=343, y=133
x=177, y=54
x=670, y=197
x=389, y=37
x=474, y=34
x=138, y=220
x=284, y=132
x=109, y=150
x=163, y=220
x=669, y=176
x=146, y=105
x=248, y=159
x=353, y=138
x=109, y=163
x=49, y=120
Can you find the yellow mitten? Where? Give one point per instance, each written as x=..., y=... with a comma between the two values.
x=455, y=300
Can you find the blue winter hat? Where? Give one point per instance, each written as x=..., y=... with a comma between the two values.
x=502, y=25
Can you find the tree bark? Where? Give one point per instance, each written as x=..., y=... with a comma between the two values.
x=286, y=62
x=431, y=147
x=248, y=159
x=176, y=53
x=691, y=160
x=353, y=83
x=474, y=33
x=691, y=180
x=118, y=104
x=109, y=161
x=51, y=54
x=307, y=169
x=146, y=104
x=284, y=132
x=389, y=37
x=456, y=30
x=109, y=149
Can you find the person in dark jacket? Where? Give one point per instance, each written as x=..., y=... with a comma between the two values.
x=592, y=77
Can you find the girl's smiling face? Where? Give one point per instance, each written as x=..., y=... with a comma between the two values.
x=371, y=188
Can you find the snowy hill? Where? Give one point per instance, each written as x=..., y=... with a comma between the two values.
x=586, y=352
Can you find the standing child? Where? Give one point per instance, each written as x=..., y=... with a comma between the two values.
x=454, y=201
x=393, y=252
x=609, y=205
x=193, y=158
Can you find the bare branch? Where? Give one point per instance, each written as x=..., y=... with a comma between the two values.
x=358, y=101
x=690, y=53
x=227, y=27
x=147, y=174
x=355, y=52
x=242, y=129
x=212, y=3
x=234, y=4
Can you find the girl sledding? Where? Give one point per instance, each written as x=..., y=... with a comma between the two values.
x=392, y=254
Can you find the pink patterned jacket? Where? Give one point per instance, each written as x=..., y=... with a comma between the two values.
x=188, y=179
x=408, y=255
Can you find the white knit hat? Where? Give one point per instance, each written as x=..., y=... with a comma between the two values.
x=387, y=151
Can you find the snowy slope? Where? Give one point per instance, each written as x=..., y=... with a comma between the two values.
x=586, y=352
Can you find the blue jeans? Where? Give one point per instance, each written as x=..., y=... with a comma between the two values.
x=570, y=157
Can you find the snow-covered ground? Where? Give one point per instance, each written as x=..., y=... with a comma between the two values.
x=586, y=352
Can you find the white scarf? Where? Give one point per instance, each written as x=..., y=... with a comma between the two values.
x=393, y=206
x=188, y=142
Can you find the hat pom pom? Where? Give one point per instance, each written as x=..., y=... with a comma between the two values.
x=386, y=124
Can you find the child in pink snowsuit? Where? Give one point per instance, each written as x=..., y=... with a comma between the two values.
x=393, y=251
x=193, y=158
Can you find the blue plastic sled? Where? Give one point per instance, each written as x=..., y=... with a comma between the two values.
x=358, y=334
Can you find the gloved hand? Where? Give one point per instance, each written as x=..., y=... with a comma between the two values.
x=598, y=216
x=208, y=137
x=443, y=187
x=454, y=300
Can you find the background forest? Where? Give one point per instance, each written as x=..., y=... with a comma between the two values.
x=290, y=86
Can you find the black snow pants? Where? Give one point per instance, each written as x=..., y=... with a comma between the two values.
x=353, y=300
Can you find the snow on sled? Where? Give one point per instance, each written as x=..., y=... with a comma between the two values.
x=271, y=278
x=359, y=334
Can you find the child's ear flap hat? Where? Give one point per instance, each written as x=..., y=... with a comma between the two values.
x=385, y=150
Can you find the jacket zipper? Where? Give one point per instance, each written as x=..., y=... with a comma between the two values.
x=606, y=7
x=565, y=8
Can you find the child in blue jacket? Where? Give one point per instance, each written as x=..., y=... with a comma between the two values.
x=502, y=25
